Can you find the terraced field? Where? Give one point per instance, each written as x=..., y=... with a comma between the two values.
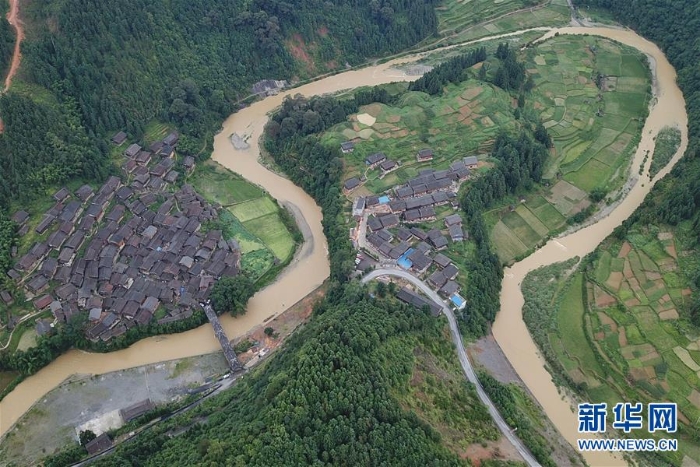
x=593, y=96
x=463, y=20
x=463, y=121
x=621, y=331
x=595, y=132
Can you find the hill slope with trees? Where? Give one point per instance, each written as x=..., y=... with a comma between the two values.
x=673, y=25
x=92, y=67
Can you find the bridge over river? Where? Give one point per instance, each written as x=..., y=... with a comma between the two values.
x=220, y=334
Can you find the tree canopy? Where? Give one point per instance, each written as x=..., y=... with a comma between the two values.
x=232, y=294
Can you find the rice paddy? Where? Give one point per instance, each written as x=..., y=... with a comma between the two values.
x=250, y=216
x=635, y=326
x=593, y=95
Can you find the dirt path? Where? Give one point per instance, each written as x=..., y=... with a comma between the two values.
x=14, y=20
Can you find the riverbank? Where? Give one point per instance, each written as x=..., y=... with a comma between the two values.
x=306, y=275
x=50, y=425
x=509, y=329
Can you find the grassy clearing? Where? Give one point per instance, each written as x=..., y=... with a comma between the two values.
x=273, y=233
x=667, y=142
x=621, y=328
x=222, y=186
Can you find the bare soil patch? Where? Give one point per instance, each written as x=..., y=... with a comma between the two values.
x=299, y=50
x=602, y=299
x=614, y=280
x=373, y=109
x=624, y=250
x=668, y=315
x=487, y=353
x=501, y=449
x=606, y=320
x=694, y=398
x=622, y=337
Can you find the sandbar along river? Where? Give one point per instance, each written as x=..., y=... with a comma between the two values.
x=509, y=329
x=310, y=266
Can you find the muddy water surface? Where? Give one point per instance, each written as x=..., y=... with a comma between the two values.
x=310, y=266
x=509, y=329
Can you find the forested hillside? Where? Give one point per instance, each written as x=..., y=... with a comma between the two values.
x=673, y=25
x=94, y=67
x=7, y=39
x=126, y=62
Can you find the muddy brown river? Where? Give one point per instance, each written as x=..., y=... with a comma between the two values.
x=310, y=266
x=509, y=329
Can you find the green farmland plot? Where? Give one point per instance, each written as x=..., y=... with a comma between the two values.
x=632, y=351
x=251, y=217
x=274, y=234
x=222, y=186
x=253, y=208
x=592, y=94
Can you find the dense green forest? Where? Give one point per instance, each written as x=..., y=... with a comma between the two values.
x=42, y=146
x=127, y=62
x=103, y=66
x=7, y=39
x=673, y=25
x=327, y=399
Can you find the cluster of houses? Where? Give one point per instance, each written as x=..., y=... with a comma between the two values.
x=123, y=252
x=392, y=232
x=428, y=181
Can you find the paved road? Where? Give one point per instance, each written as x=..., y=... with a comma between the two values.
x=463, y=359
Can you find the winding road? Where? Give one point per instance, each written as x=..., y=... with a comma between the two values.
x=463, y=358
x=311, y=267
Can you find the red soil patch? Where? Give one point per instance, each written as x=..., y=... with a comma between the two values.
x=671, y=250
x=299, y=51
x=501, y=449
x=625, y=250
x=652, y=275
x=606, y=320
x=14, y=20
x=603, y=300
x=668, y=315
x=283, y=325
x=599, y=336
x=627, y=270
x=622, y=337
